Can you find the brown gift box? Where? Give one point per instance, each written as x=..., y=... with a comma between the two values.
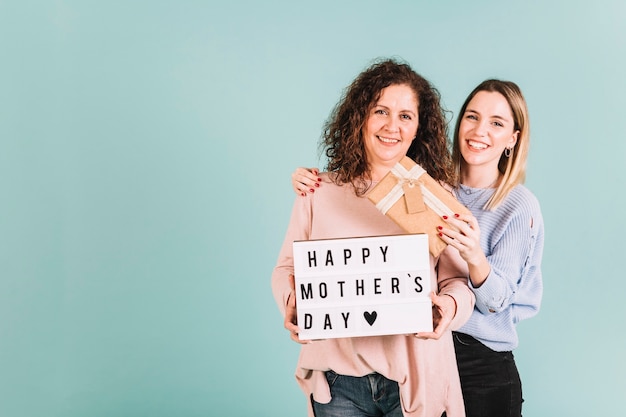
x=416, y=202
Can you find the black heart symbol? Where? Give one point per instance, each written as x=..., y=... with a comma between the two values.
x=370, y=317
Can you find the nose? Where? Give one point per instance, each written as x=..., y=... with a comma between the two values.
x=481, y=128
x=392, y=125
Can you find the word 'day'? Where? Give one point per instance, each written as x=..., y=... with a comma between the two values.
x=368, y=286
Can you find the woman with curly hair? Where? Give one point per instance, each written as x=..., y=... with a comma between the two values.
x=388, y=112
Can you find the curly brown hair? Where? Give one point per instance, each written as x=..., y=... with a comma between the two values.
x=342, y=139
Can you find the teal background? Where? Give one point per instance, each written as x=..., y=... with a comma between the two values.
x=145, y=157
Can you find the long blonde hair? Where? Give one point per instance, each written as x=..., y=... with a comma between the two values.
x=513, y=167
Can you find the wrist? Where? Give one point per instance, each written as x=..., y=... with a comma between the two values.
x=478, y=273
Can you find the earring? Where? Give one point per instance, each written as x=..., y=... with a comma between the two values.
x=507, y=152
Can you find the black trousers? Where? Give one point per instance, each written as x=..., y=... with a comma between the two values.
x=490, y=381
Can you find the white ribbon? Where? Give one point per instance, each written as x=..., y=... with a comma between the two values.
x=405, y=176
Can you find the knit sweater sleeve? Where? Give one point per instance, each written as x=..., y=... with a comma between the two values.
x=514, y=250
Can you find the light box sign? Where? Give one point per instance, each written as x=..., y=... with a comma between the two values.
x=368, y=286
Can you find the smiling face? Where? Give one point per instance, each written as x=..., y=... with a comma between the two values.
x=486, y=130
x=390, y=128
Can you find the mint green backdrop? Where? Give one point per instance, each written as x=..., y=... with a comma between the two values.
x=145, y=157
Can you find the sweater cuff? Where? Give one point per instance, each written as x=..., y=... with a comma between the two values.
x=489, y=296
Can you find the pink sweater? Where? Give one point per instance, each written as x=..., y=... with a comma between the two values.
x=425, y=369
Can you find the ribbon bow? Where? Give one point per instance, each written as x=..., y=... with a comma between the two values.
x=409, y=178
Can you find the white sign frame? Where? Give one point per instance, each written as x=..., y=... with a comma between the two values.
x=368, y=286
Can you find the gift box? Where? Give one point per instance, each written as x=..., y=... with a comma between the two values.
x=416, y=202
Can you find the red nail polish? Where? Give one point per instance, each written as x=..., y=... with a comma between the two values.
x=456, y=215
x=440, y=234
x=439, y=227
x=311, y=190
x=317, y=185
x=302, y=194
x=445, y=217
x=319, y=179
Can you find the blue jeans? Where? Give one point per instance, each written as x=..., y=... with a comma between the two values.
x=367, y=396
x=490, y=381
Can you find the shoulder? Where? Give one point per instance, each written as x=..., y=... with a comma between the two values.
x=522, y=206
x=522, y=198
x=327, y=177
x=330, y=188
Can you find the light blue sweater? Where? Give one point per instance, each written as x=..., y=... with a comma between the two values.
x=512, y=237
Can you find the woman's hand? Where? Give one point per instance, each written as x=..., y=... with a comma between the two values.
x=467, y=241
x=305, y=180
x=444, y=310
x=291, y=314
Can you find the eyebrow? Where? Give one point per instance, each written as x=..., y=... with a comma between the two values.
x=401, y=111
x=495, y=116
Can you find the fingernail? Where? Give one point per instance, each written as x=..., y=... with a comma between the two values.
x=439, y=227
x=440, y=234
x=319, y=179
x=302, y=194
x=456, y=215
x=317, y=185
x=311, y=190
x=445, y=217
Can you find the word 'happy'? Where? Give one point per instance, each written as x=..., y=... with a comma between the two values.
x=345, y=255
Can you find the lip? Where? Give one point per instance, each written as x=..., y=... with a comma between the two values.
x=476, y=145
x=385, y=140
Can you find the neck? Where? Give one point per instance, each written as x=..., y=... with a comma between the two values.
x=480, y=179
x=378, y=171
